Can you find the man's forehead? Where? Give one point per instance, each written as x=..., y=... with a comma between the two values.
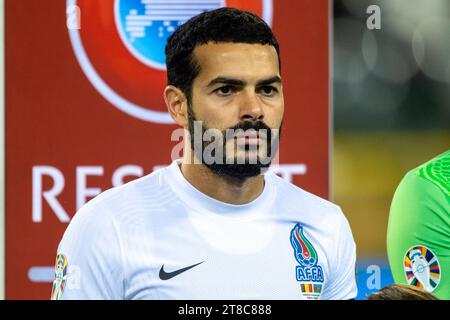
x=227, y=59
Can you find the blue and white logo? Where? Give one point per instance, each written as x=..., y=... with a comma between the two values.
x=145, y=25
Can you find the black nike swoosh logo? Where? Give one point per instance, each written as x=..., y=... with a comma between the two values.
x=163, y=275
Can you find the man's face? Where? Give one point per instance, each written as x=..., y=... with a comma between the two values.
x=238, y=87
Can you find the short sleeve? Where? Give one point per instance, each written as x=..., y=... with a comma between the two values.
x=342, y=281
x=89, y=260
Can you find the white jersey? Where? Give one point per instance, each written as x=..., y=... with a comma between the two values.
x=158, y=237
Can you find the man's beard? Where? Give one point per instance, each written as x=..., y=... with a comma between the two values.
x=234, y=169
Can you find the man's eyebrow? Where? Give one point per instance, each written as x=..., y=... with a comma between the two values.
x=237, y=82
x=275, y=79
x=225, y=80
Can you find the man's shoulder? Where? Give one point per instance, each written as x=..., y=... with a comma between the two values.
x=306, y=201
x=297, y=194
x=129, y=197
x=436, y=171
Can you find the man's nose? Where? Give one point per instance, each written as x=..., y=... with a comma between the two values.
x=251, y=107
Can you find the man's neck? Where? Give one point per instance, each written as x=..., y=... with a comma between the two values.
x=223, y=188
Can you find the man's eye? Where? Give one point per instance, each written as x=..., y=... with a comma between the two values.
x=225, y=90
x=268, y=90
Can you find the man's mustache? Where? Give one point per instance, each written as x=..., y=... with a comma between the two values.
x=246, y=125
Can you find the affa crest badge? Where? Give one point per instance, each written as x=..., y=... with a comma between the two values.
x=60, y=277
x=308, y=273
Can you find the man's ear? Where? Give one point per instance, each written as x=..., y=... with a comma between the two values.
x=176, y=103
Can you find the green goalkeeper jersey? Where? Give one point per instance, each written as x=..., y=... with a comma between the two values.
x=418, y=235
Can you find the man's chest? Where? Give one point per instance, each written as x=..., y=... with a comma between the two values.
x=279, y=265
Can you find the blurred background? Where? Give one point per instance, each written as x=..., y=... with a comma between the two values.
x=391, y=112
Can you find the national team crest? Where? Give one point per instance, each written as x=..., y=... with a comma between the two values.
x=120, y=46
x=60, y=277
x=422, y=268
x=308, y=273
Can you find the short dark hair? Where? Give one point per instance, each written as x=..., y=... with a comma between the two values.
x=401, y=292
x=220, y=25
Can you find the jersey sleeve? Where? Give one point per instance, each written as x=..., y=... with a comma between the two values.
x=89, y=259
x=419, y=221
x=342, y=282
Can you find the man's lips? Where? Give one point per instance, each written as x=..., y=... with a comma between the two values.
x=251, y=134
x=249, y=141
x=250, y=137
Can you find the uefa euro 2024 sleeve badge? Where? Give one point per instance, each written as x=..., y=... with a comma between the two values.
x=60, y=277
x=308, y=273
x=422, y=268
